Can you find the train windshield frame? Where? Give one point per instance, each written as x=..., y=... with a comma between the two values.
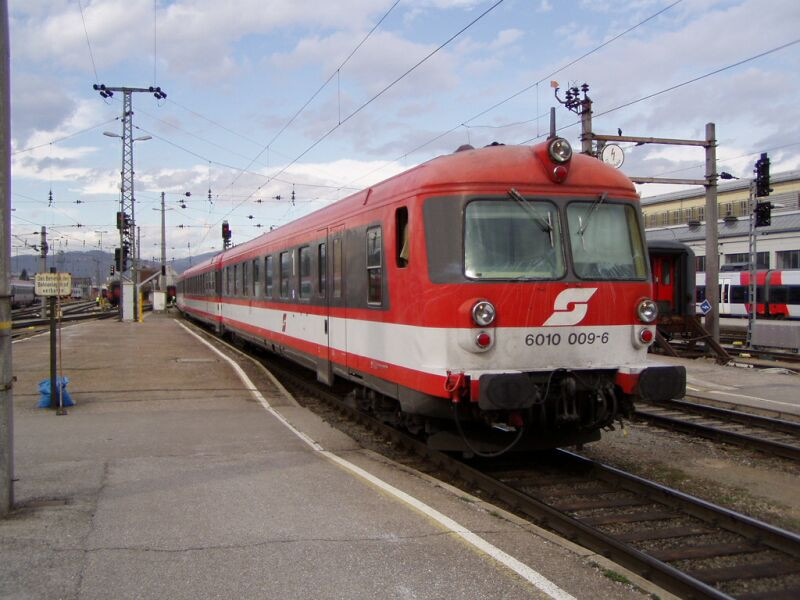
x=606, y=240
x=513, y=239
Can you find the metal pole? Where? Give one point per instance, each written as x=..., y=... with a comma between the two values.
x=6, y=373
x=122, y=224
x=712, y=243
x=43, y=264
x=586, y=126
x=137, y=304
x=53, y=386
x=162, y=281
x=753, y=254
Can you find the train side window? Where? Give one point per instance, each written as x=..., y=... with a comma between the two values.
x=285, y=270
x=374, y=266
x=322, y=265
x=268, y=271
x=401, y=235
x=738, y=294
x=305, y=272
x=256, y=279
x=779, y=294
x=793, y=294
x=337, y=268
x=245, y=279
x=235, y=278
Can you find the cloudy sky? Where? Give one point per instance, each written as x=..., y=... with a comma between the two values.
x=270, y=97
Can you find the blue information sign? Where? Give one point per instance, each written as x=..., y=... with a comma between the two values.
x=705, y=307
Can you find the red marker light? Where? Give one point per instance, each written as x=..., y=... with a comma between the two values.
x=483, y=340
x=646, y=335
x=559, y=173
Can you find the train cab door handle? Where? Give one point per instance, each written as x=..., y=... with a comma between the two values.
x=326, y=326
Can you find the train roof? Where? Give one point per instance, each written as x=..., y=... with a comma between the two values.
x=489, y=169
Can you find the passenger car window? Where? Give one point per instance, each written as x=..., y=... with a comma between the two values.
x=374, y=266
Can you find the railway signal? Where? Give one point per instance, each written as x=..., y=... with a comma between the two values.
x=762, y=176
x=226, y=235
x=763, y=214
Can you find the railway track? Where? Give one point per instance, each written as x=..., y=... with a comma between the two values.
x=772, y=436
x=689, y=547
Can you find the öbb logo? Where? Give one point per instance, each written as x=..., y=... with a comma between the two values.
x=563, y=314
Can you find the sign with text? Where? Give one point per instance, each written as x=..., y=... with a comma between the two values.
x=53, y=284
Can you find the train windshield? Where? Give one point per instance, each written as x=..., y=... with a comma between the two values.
x=606, y=240
x=512, y=239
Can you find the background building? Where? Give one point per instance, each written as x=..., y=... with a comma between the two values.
x=680, y=216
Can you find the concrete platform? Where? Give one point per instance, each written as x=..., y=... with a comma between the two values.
x=772, y=391
x=170, y=479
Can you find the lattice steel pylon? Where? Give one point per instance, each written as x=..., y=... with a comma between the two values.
x=126, y=221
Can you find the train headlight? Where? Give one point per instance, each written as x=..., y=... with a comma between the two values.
x=560, y=150
x=647, y=311
x=483, y=313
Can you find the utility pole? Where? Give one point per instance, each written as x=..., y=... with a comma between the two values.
x=162, y=280
x=712, y=235
x=43, y=263
x=6, y=372
x=583, y=107
x=127, y=223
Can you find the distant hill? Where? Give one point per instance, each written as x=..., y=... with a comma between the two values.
x=92, y=263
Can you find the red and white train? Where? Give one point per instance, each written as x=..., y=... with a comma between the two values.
x=777, y=293
x=491, y=298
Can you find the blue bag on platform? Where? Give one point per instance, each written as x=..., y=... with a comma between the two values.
x=44, y=390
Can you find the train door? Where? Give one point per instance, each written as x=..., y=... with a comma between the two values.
x=337, y=301
x=664, y=283
x=217, y=274
x=324, y=368
x=725, y=285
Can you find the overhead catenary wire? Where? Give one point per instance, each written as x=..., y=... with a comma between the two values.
x=679, y=85
x=315, y=94
x=64, y=137
x=378, y=95
x=451, y=130
x=88, y=43
x=518, y=93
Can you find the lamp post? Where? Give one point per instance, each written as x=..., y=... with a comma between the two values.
x=162, y=280
x=126, y=228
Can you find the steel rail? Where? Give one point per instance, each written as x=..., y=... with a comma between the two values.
x=786, y=449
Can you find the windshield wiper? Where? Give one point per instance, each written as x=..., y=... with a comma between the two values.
x=601, y=198
x=546, y=226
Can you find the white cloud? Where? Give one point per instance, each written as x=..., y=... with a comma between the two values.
x=506, y=37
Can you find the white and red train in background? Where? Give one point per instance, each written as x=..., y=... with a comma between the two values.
x=777, y=293
x=490, y=298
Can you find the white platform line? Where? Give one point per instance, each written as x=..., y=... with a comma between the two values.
x=535, y=578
